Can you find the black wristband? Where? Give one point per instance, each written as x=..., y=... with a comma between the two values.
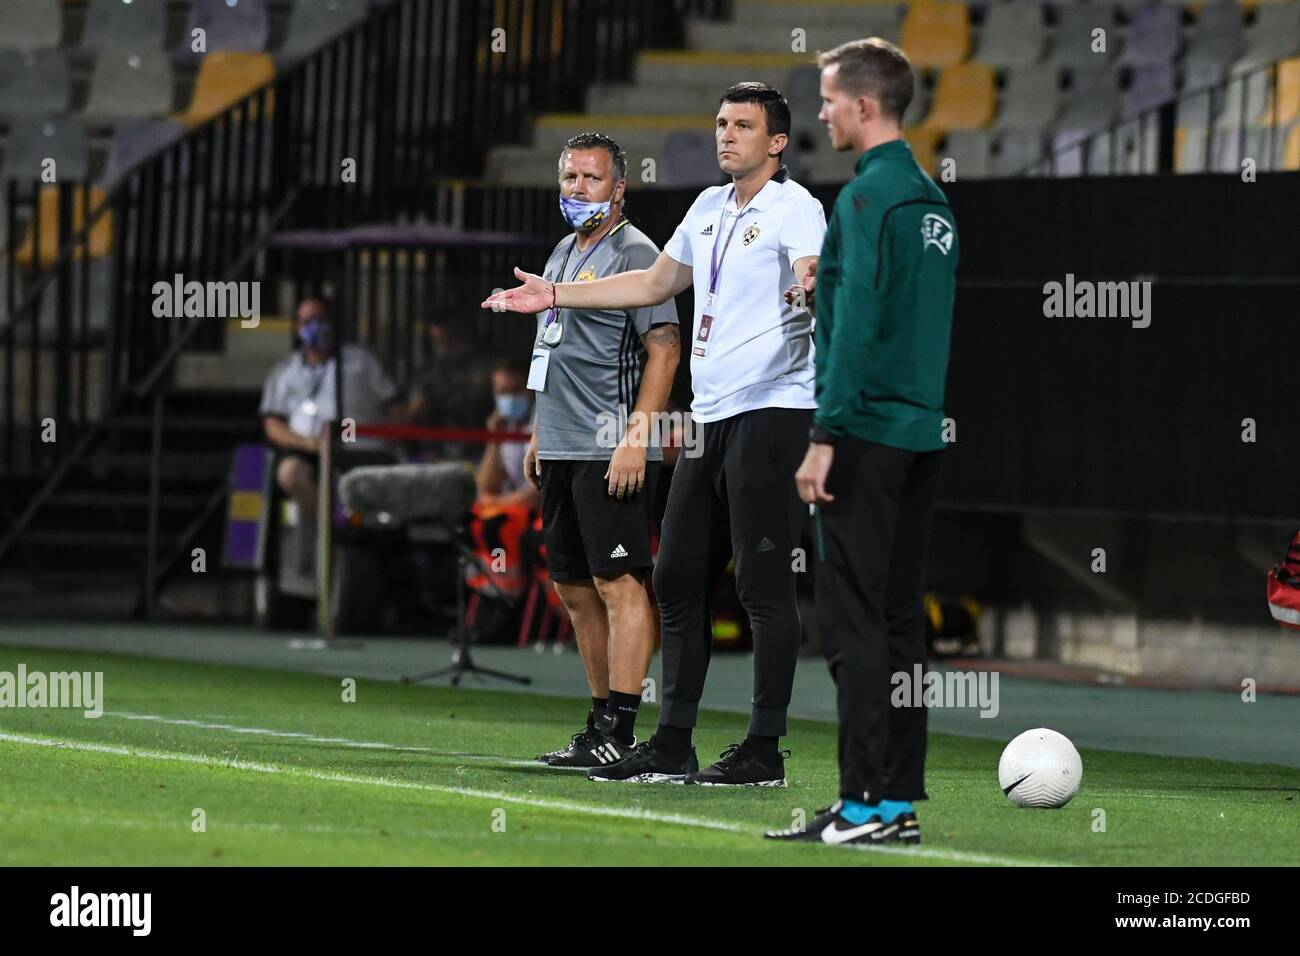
x=820, y=436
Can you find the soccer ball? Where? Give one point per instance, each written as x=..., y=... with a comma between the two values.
x=1040, y=768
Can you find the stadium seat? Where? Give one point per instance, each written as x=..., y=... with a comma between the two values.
x=803, y=92
x=225, y=78
x=1155, y=36
x=35, y=85
x=1284, y=108
x=130, y=85
x=971, y=151
x=1245, y=98
x=32, y=141
x=1291, y=150
x=1202, y=94
x=1218, y=36
x=1031, y=98
x=925, y=146
x=1092, y=100
x=136, y=140
x=313, y=23
x=1191, y=149
x=1151, y=87
x=1013, y=35
x=125, y=24
x=101, y=234
x=1073, y=43
x=936, y=33
x=690, y=159
x=1275, y=34
x=230, y=26
x=763, y=27
x=920, y=104
x=31, y=24
x=965, y=98
x=1018, y=150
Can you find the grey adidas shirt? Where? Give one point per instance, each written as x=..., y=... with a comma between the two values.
x=596, y=367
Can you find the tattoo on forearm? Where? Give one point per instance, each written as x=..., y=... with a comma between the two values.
x=664, y=335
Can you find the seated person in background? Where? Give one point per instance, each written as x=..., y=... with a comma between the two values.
x=501, y=472
x=451, y=390
x=299, y=395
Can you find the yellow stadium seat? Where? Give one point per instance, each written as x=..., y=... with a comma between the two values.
x=1288, y=95
x=936, y=33
x=1291, y=151
x=925, y=146
x=225, y=78
x=100, y=240
x=965, y=98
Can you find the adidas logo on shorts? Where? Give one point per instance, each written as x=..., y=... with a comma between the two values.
x=618, y=552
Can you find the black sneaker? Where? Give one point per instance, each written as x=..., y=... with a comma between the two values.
x=832, y=829
x=904, y=829
x=741, y=766
x=582, y=742
x=810, y=832
x=646, y=764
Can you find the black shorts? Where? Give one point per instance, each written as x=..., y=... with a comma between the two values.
x=587, y=530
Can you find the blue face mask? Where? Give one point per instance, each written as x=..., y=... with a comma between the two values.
x=582, y=215
x=317, y=335
x=514, y=408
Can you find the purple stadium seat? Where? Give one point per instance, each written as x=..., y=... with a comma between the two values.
x=1152, y=86
x=234, y=25
x=1154, y=36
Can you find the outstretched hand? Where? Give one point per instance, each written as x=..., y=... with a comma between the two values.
x=534, y=295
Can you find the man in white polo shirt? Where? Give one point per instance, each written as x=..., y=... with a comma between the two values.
x=742, y=246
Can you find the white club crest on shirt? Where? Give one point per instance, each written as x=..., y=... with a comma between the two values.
x=751, y=234
x=937, y=231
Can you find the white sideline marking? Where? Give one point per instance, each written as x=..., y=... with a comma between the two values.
x=540, y=803
x=312, y=738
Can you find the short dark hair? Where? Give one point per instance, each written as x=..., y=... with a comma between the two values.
x=512, y=365
x=617, y=158
x=776, y=111
x=876, y=68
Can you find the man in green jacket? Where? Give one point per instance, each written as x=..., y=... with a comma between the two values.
x=884, y=290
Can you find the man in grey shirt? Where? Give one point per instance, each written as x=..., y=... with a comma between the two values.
x=601, y=378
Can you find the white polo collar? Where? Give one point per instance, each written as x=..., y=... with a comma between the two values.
x=767, y=195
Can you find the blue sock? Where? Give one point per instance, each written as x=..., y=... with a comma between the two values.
x=890, y=810
x=855, y=812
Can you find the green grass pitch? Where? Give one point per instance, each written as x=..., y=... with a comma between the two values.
x=286, y=772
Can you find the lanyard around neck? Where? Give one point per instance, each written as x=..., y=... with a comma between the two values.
x=581, y=262
x=715, y=261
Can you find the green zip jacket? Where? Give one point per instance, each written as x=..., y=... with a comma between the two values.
x=885, y=285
